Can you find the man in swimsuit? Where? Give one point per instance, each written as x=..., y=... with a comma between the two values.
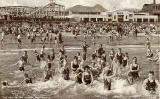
x=150, y=84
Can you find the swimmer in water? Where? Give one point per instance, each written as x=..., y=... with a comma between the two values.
x=125, y=60
x=65, y=73
x=19, y=40
x=134, y=70
x=149, y=53
x=53, y=55
x=21, y=64
x=48, y=73
x=87, y=76
x=148, y=43
x=78, y=76
x=5, y=84
x=85, y=47
x=79, y=57
x=100, y=50
x=107, y=76
x=119, y=56
x=2, y=38
x=56, y=41
x=112, y=54
x=38, y=59
x=74, y=64
x=62, y=50
x=27, y=79
x=116, y=67
x=156, y=58
x=93, y=58
x=25, y=57
x=150, y=84
x=42, y=53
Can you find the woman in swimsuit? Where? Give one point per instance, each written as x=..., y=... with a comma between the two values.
x=87, y=76
x=74, y=64
x=125, y=60
x=38, y=59
x=134, y=70
x=119, y=56
x=112, y=54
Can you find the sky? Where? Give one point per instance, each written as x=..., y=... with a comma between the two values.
x=108, y=4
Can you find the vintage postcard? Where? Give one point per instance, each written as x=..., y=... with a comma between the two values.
x=79, y=49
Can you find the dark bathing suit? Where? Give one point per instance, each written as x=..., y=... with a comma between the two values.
x=87, y=79
x=75, y=66
x=120, y=58
x=107, y=84
x=28, y=80
x=151, y=86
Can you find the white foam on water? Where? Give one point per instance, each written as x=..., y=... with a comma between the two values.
x=98, y=87
x=18, y=50
x=121, y=85
x=131, y=46
x=13, y=83
x=56, y=83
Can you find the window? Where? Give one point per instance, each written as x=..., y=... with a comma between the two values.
x=130, y=15
x=109, y=15
x=126, y=17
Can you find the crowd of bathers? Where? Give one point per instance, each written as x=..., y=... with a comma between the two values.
x=84, y=67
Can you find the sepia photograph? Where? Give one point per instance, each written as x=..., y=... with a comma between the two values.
x=79, y=49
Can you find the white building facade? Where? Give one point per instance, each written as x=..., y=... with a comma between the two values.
x=114, y=16
x=145, y=17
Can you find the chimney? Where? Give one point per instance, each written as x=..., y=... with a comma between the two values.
x=154, y=1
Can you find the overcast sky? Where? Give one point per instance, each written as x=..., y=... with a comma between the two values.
x=108, y=4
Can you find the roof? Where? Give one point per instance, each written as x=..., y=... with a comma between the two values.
x=80, y=8
x=151, y=4
x=41, y=8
